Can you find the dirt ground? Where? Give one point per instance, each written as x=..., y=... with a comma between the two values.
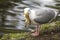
x=52, y=36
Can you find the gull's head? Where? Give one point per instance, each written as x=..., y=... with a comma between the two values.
x=26, y=10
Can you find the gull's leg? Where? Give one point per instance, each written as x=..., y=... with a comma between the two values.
x=36, y=33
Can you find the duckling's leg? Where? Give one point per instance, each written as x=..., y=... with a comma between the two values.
x=36, y=32
x=26, y=23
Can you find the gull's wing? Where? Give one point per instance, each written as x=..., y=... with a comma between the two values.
x=42, y=15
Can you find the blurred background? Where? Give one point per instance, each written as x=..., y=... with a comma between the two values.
x=12, y=22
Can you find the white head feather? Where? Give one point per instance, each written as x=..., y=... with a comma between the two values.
x=26, y=10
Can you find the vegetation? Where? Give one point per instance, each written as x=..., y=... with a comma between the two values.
x=47, y=31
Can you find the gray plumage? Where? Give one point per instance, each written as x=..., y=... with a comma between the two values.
x=42, y=15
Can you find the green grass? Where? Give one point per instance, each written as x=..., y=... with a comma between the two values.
x=45, y=28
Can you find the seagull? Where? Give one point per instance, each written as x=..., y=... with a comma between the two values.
x=39, y=16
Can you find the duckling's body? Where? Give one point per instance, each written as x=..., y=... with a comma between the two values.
x=27, y=18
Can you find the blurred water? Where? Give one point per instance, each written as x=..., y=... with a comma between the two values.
x=41, y=2
x=19, y=16
x=18, y=10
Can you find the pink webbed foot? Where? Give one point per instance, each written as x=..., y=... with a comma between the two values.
x=36, y=31
x=35, y=34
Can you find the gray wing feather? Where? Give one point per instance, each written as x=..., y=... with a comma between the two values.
x=45, y=16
